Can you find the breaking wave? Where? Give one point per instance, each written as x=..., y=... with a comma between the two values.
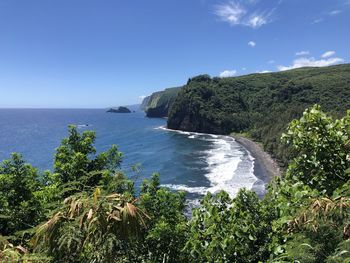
x=229, y=166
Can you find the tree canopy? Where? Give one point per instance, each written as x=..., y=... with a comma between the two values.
x=259, y=105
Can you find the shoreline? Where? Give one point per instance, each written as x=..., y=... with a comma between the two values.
x=265, y=167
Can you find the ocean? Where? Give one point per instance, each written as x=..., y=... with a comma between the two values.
x=193, y=162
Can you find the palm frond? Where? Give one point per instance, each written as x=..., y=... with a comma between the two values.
x=94, y=217
x=318, y=210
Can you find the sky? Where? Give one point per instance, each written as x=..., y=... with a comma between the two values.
x=102, y=53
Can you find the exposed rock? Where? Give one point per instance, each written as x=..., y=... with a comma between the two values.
x=119, y=110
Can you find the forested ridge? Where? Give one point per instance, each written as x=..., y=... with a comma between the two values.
x=157, y=105
x=87, y=210
x=259, y=105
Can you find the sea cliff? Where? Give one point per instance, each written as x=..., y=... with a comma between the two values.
x=261, y=105
x=158, y=104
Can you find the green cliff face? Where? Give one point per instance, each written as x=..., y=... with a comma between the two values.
x=158, y=104
x=144, y=103
x=259, y=104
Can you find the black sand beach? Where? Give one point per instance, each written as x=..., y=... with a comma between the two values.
x=265, y=167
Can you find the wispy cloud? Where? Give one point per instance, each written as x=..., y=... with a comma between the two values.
x=251, y=43
x=302, y=53
x=335, y=12
x=258, y=20
x=235, y=13
x=231, y=12
x=325, y=60
x=328, y=54
x=271, y=61
x=318, y=20
x=228, y=73
x=328, y=14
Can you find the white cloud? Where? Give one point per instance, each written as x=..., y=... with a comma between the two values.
x=318, y=20
x=326, y=15
x=257, y=20
x=335, y=12
x=311, y=62
x=234, y=13
x=142, y=97
x=328, y=54
x=251, y=43
x=228, y=73
x=264, y=71
x=302, y=53
x=271, y=61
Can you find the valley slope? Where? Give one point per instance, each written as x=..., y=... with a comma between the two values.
x=158, y=104
x=259, y=105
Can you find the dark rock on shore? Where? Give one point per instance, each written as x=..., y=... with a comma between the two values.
x=158, y=112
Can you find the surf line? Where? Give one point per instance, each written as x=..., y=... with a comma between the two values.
x=230, y=166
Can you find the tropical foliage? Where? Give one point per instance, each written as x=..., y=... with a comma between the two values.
x=20, y=206
x=260, y=105
x=88, y=211
x=86, y=222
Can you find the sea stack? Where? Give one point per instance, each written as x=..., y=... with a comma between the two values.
x=119, y=110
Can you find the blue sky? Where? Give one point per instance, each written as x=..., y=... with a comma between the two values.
x=100, y=53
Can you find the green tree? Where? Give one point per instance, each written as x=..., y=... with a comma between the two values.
x=341, y=254
x=77, y=167
x=225, y=230
x=93, y=228
x=322, y=147
x=20, y=209
x=312, y=200
x=12, y=253
x=317, y=231
x=167, y=230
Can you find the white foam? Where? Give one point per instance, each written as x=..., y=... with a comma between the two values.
x=163, y=127
x=193, y=190
x=230, y=166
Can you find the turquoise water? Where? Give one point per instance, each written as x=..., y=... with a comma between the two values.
x=193, y=162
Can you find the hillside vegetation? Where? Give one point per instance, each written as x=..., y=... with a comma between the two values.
x=88, y=211
x=260, y=105
x=158, y=104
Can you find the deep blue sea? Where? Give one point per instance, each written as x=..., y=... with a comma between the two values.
x=195, y=163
